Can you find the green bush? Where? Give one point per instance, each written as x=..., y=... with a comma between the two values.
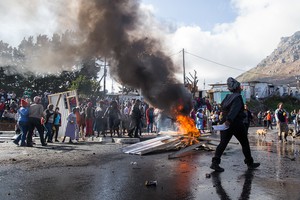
x=289, y=103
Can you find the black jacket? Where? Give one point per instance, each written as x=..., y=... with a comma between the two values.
x=232, y=108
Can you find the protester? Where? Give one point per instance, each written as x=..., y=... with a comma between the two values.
x=126, y=118
x=99, y=119
x=150, y=119
x=114, y=118
x=57, y=122
x=297, y=122
x=78, y=133
x=259, y=118
x=71, y=126
x=136, y=117
x=248, y=118
x=281, y=116
x=49, y=118
x=89, y=113
x=199, y=120
x=23, y=113
x=2, y=108
x=233, y=114
x=269, y=120
x=35, y=117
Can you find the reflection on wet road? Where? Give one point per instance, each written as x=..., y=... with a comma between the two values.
x=123, y=176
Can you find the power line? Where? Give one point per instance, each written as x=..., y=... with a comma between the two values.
x=174, y=54
x=217, y=63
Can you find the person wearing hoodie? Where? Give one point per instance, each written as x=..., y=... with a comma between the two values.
x=232, y=108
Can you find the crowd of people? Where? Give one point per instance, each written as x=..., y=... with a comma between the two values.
x=114, y=117
x=89, y=119
x=279, y=117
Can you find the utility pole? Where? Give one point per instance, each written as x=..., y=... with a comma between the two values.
x=183, y=65
x=104, y=80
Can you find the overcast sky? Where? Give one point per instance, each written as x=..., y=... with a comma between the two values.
x=237, y=34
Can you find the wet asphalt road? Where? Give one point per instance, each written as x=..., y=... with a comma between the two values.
x=112, y=175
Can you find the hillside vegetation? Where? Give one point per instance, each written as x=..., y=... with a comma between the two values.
x=290, y=104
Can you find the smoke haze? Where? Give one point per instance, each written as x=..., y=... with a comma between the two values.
x=117, y=31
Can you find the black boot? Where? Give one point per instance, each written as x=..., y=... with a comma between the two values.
x=215, y=165
x=251, y=164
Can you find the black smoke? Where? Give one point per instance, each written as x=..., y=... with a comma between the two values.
x=114, y=29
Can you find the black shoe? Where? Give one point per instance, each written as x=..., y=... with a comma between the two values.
x=217, y=168
x=29, y=145
x=44, y=144
x=253, y=166
x=49, y=141
x=17, y=143
x=23, y=144
x=56, y=140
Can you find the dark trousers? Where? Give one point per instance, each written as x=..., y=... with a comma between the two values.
x=56, y=131
x=49, y=134
x=32, y=124
x=236, y=129
x=269, y=125
x=135, y=127
x=246, y=127
x=24, y=129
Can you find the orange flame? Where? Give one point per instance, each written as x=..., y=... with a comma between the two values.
x=188, y=128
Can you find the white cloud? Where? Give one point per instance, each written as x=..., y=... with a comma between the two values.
x=241, y=44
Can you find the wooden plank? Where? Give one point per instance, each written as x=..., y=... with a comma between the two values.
x=163, y=146
x=57, y=102
x=143, y=144
x=214, y=139
x=184, y=150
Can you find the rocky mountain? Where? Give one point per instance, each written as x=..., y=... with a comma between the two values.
x=282, y=66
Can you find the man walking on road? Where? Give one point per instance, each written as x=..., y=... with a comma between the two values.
x=232, y=108
x=35, y=117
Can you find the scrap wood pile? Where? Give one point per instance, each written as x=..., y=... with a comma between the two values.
x=171, y=141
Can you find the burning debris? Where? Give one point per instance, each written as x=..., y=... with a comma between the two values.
x=186, y=137
x=167, y=141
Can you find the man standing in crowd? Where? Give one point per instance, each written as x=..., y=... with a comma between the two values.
x=49, y=118
x=35, y=117
x=281, y=117
x=136, y=117
x=89, y=113
x=248, y=118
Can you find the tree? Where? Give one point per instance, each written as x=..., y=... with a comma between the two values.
x=84, y=86
x=192, y=83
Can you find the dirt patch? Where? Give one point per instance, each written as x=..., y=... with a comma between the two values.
x=57, y=154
